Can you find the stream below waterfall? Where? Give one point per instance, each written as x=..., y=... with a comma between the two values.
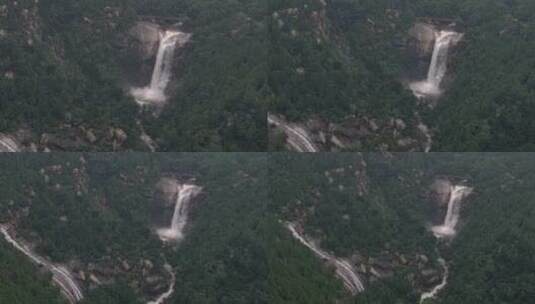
x=447, y=230
x=167, y=294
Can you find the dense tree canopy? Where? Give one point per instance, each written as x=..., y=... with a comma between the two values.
x=350, y=57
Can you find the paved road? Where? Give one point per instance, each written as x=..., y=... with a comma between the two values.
x=60, y=275
x=298, y=138
x=8, y=144
x=344, y=269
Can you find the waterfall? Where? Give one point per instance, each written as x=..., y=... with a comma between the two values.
x=438, y=66
x=447, y=229
x=155, y=92
x=185, y=193
x=344, y=270
x=457, y=193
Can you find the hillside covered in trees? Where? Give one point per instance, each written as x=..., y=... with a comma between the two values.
x=343, y=68
x=68, y=67
x=277, y=229
x=377, y=212
x=99, y=217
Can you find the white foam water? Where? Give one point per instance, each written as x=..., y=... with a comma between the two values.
x=438, y=67
x=155, y=93
x=447, y=229
x=185, y=193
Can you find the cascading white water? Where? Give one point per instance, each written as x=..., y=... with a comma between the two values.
x=457, y=193
x=167, y=294
x=344, y=269
x=60, y=275
x=438, y=66
x=185, y=193
x=155, y=92
x=431, y=294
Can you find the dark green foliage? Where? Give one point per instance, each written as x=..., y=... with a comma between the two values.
x=118, y=293
x=73, y=73
x=490, y=259
x=222, y=259
x=295, y=274
x=21, y=281
x=237, y=249
x=355, y=59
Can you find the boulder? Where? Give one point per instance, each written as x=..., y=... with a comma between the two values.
x=153, y=280
x=94, y=279
x=91, y=136
x=120, y=135
x=125, y=265
x=429, y=272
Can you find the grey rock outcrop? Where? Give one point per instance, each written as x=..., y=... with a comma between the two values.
x=148, y=36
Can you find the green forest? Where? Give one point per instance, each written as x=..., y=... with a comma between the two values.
x=67, y=68
x=490, y=258
x=98, y=215
x=112, y=224
x=339, y=59
x=65, y=64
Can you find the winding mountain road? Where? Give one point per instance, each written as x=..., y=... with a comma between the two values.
x=344, y=270
x=60, y=275
x=8, y=144
x=298, y=138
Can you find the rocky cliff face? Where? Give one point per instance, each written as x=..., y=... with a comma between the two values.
x=147, y=36
x=422, y=39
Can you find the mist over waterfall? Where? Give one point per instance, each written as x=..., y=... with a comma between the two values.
x=161, y=75
x=457, y=193
x=344, y=270
x=438, y=66
x=184, y=195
